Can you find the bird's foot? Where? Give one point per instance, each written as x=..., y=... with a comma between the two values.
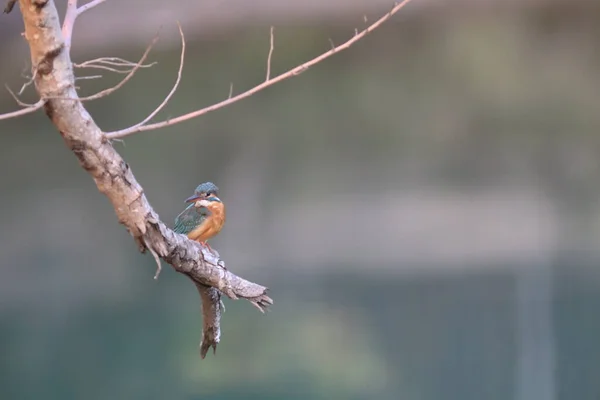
x=214, y=253
x=205, y=244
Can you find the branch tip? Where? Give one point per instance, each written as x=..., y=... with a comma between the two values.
x=272, y=43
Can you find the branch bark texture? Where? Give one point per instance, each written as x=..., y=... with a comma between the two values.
x=54, y=81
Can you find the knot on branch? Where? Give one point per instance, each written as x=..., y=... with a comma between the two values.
x=46, y=64
x=9, y=6
x=39, y=4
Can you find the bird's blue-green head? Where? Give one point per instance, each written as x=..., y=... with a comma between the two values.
x=206, y=190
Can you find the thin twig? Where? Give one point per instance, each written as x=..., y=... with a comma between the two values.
x=111, y=64
x=89, y=6
x=88, y=77
x=230, y=90
x=29, y=82
x=114, y=61
x=270, y=54
x=293, y=72
x=175, y=86
x=19, y=102
x=110, y=90
x=106, y=92
x=23, y=111
x=104, y=67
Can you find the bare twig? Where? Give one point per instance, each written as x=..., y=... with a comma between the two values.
x=23, y=111
x=105, y=68
x=87, y=77
x=112, y=66
x=175, y=86
x=119, y=85
x=112, y=61
x=230, y=90
x=293, y=72
x=29, y=82
x=270, y=54
x=14, y=96
x=130, y=73
x=89, y=6
x=116, y=61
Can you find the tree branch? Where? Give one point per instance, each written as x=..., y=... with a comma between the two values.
x=55, y=83
x=89, y=6
x=23, y=111
x=175, y=86
x=271, y=48
x=140, y=64
x=269, y=82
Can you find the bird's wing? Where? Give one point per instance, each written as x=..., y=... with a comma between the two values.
x=190, y=219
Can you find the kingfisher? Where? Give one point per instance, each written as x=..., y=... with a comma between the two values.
x=204, y=217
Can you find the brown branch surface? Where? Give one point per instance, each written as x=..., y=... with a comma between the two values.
x=54, y=81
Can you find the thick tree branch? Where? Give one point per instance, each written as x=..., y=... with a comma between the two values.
x=268, y=82
x=54, y=81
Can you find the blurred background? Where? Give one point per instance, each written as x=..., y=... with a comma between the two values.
x=424, y=207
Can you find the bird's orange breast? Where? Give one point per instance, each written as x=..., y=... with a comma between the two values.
x=212, y=225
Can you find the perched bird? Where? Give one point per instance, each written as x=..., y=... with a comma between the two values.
x=204, y=218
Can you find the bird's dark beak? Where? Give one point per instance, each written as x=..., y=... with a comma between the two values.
x=193, y=198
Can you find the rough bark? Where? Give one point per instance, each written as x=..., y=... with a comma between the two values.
x=54, y=80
